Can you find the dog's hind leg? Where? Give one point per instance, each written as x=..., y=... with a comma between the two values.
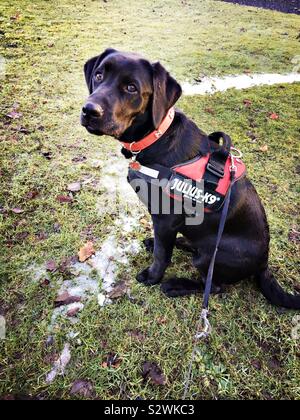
x=180, y=286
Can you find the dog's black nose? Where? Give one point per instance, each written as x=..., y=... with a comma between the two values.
x=92, y=110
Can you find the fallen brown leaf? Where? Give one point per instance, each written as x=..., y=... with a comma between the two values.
x=154, y=373
x=21, y=236
x=74, y=187
x=136, y=334
x=297, y=287
x=44, y=283
x=161, y=320
x=64, y=199
x=14, y=115
x=145, y=223
x=256, y=364
x=31, y=195
x=41, y=236
x=66, y=264
x=209, y=111
x=83, y=388
x=73, y=312
x=264, y=148
x=65, y=299
x=17, y=16
x=247, y=103
x=294, y=235
x=51, y=266
x=112, y=360
x=79, y=159
x=57, y=228
x=86, y=251
x=274, y=363
x=17, y=210
x=119, y=290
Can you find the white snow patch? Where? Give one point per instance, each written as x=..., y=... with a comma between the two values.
x=113, y=252
x=81, y=286
x=101, y=299
x=60, y=364
x=95, y=278
x=127, y=223
x=37, y=272
x=209, y=85
x=72, y=335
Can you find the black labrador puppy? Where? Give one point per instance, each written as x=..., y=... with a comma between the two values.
x=129, y=98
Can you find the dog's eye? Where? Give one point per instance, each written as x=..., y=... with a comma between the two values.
x=131, y=88
x=99, y=77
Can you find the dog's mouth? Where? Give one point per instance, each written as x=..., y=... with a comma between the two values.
x=111, y=129
x=94, y=131
x=90, y=127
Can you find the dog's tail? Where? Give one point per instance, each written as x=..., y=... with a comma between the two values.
x=274, y=292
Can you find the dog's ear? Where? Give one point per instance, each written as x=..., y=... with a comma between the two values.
x=92, y=64
x=166, y=91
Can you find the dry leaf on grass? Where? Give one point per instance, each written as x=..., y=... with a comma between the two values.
x=294, y=235
x=73, y=312
x=51, y=266
x=247, y=102
x=119, y=290
x=14, y=115
x=273, y=116
x=209, y=111
x=74, y=187
x=86, y=252
x=264, y=148
x=17, y=210
x=112, y=361
x=31, y=195
x=153, y=372
x=66, y=299
x=83, y=388
x=64, y=199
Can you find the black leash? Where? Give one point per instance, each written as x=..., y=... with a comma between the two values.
x=204, y=327
x=215, y=170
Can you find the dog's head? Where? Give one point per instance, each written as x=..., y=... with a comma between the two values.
x=125, y=89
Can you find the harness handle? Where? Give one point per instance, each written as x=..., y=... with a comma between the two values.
x=217, y=136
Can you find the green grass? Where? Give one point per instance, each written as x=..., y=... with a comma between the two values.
x=251, y=353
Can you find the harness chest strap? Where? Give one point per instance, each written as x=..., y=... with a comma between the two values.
x=183, y=181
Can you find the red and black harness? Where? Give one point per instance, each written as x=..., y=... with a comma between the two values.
x=203, y=180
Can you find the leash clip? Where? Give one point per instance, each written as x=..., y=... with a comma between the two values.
x=134, y=164
x=239, y=155
x=206, y=327
x=134, y=153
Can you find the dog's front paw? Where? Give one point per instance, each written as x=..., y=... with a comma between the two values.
x=146, y=278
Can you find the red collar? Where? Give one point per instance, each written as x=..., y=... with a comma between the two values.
x=147, y=141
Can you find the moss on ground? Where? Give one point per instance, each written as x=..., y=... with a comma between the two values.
x=251, y=353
